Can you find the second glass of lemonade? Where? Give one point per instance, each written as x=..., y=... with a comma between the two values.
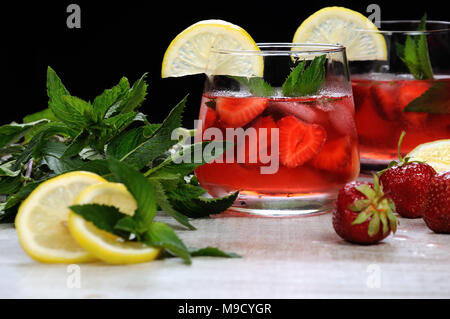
x=292, y=126
x=409, y=91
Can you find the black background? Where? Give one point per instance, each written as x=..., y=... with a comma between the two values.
x=129, y=38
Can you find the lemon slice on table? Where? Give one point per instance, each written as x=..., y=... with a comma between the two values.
x=337, y=25
x=103, y=245
x=190, y=52
x=41, y=221
x=435, y=154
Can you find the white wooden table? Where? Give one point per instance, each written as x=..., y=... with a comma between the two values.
x=282, y=258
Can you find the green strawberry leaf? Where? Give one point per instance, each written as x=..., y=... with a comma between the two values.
x=374, y=225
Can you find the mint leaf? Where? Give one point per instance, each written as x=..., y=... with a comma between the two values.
x=164, y=203
x=55, y=87
x=12, y=133
x=109, y=97
x=203, y=207
x=192, y=155
x=435, y=100
x=124, y=143
x=102, y=216
x=159, y=142
x=256, y=86
x=211, y=252
x=161, y=235
x=414, y=53
x=10, y=185
x=6, y=170
x=142, y=189
x=47, y=130
x=305, y=80
x=135, y=96
x=44, y=114
x=132, y=99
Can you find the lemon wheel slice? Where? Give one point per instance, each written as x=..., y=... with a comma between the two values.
x=337, y=25
x=103, y=245
x=436, y=154
x=41, y=221
x=190, y=52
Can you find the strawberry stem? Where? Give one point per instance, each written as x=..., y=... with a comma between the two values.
x=400, y=140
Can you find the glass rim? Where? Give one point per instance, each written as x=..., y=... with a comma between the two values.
x=410, y=32
x=285, y=48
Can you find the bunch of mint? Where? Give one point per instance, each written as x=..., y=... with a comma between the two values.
x=110, y=137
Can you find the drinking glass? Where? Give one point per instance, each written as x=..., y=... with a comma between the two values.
x=291, y=151
x=389, y=99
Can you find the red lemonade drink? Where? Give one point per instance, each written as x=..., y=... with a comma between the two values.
x=381, y=113
x=291, y=129
x=317, y=147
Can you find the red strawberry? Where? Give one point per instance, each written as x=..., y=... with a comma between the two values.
x=407, y=184
x=238, y=111
x=299, y=141
x=363, y=214
x=335, y=154
x=437, y=214
x=263, y=126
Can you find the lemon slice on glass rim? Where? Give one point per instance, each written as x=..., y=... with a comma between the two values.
x=351, y=29
x=192, y=51
x=436, y=154
x=101, y=244
x=41, y=221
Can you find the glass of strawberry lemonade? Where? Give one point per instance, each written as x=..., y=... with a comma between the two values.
x=407, y=91
x=292, y=125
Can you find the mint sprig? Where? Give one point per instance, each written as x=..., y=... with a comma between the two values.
x=110, y=137
x=305, y=80
x=414, y=53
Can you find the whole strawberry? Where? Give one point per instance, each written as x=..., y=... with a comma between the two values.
x=407, y=184
x=363, y=214
x=437, y=215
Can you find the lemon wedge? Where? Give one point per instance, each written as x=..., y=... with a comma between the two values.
x=338, y=25
x=41, y=221
x=103, y=245
x=190, y=51
x=436, y=154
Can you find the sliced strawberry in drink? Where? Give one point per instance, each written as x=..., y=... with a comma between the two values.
x=299, y=141
x=342, y=116
x=263, y=142
x=307, y=112
x=335, y=154
x=239, y=111
x=372, y=128
x=409, y=91
x=385, y=97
